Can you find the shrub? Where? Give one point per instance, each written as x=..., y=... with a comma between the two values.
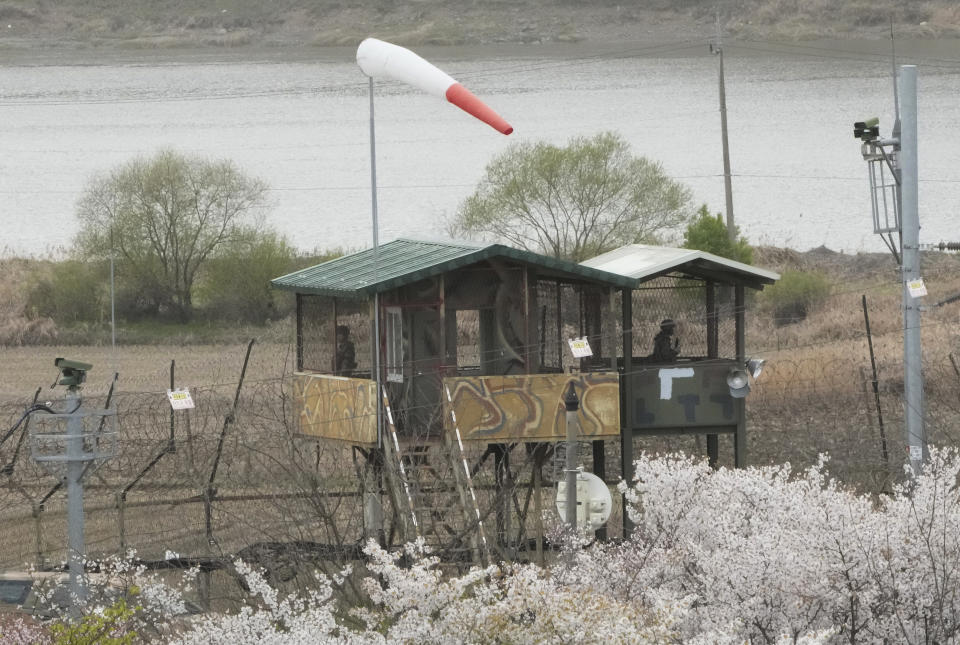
x=72, y=291
x=709, y=233
x=140, y=296
x=107, y=627
x=795, y=295
x=236, y=284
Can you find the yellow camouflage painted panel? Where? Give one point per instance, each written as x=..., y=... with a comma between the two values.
x=530, y=407
x=335, y=407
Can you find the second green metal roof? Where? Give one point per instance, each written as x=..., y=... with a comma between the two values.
x=404, y=261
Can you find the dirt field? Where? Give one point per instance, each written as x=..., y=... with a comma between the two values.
x=141, y=368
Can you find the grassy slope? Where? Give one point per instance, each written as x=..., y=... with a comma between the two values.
x=175, y=23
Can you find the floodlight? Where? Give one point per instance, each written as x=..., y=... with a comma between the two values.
x=738, y=382
x=755, y=366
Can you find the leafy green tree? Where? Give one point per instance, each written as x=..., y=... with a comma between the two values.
x=236, y=283
x=709, y=233
x=575, y=201
x=164, y=217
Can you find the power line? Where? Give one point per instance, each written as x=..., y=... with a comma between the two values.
x=832, y=54
x=880, y=57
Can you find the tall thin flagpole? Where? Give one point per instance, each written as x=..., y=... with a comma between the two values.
x=379, y=58
x=376, y=267
x=113, y=306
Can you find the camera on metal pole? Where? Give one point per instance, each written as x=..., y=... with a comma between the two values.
x=892, y=170
x=883, y=169
x=70, y=444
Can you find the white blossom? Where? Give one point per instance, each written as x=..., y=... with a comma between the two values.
x=759, y=555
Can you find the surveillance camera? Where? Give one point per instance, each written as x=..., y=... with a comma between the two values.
x=73, y=373
x=66, y=364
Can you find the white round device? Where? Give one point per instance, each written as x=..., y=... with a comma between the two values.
x=594, y=502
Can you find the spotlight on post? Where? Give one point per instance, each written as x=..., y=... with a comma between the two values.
x=755, y=366
x=738, y=378
x=738, y=382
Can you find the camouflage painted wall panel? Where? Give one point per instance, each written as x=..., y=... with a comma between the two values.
x=335, y=407
x=683, y=395
x=530, y=407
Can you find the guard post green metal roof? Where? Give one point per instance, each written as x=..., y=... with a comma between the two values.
x=404, y=261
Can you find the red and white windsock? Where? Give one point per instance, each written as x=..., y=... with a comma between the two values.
x=381, y=59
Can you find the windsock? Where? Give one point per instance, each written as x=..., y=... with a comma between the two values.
x=382, y=59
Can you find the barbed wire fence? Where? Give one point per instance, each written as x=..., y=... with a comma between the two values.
x=231, y=478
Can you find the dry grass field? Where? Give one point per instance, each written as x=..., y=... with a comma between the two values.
x=141, y=368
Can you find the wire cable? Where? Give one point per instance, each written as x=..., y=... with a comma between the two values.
x=39, y=407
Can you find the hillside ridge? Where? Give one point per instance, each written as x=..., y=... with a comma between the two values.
x=164, y=24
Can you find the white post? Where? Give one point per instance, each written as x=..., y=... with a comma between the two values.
x=376, y=265
x=373, y=509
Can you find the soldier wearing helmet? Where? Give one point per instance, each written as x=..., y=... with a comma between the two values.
x=665, y=348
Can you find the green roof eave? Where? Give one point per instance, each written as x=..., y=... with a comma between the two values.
x=405, y=261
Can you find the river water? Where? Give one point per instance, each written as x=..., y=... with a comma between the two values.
x=302, y=124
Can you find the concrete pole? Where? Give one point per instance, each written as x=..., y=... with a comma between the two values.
x=727, y=185
x=74, y=477
x=910, y=223
x=572, y=404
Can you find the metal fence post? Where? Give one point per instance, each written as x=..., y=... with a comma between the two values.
x=572, y=404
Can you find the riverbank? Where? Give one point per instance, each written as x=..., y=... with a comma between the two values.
x=37, y=26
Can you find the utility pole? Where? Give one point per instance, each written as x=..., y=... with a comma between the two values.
x=727, y=185
x=910, y=220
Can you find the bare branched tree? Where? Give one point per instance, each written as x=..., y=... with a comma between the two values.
x=164, y=216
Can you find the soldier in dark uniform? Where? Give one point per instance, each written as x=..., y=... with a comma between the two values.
x=346, y=357
x=665, y=350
